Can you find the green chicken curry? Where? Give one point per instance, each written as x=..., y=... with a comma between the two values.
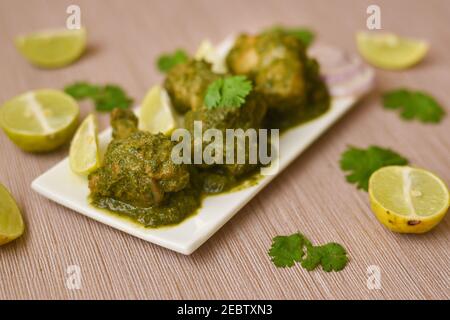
x=138, y=177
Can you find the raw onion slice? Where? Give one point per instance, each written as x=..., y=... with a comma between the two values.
x=361, y=83
x=344, y=74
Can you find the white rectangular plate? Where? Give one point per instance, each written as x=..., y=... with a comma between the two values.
x=64, y=187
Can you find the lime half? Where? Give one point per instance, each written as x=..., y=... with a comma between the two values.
x=11, y=222
x=408, y=200
x=156, y=114
x=52, y=48
x=389, y=51
x=84, y=156
x=40, y=120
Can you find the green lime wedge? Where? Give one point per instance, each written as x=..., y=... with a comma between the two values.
x=389, y=51
x=11, y=222
x=40, y=120
x=84, y=156
x=52, y=48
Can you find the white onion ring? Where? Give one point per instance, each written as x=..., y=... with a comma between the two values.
x=344, y=74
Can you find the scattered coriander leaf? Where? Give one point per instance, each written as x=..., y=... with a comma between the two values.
x=312, y=259
x=110, y=97
x=414, y=105
x=286, y=250
x=361, y=163
x=227, y=92
x=305, y=35
x=333, y=257
x=167, y=61
x=81, y=90
x=105, y=97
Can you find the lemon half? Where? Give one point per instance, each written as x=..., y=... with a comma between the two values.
x=40, y=120
x=408, y=200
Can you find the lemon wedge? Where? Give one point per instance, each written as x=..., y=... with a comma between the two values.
x=389, y=51
x=84, y=155
x=52, y=48
x=208, y=52
x=156, y=113
x=11, y=222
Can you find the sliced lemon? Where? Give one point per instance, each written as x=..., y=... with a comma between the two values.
x=206, y=51
x=40, y=120
x=156, y=113
x=11, y=222
x=389, y=51
x=52, y=48
x=84, y=154
x=408, y=200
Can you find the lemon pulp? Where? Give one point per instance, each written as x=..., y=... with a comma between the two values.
x=408, y=200
x=84, y=155
x=40, y=120
x=156, y=114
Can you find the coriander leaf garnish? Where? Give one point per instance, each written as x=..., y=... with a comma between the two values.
x=167, y=61
x=227, y=92
x=414, y=105
x=305, y=35
x=110, y=97
x=105, y=97
x=82, y=90
x=361, y=163
x=213, y=94
x=286, y=250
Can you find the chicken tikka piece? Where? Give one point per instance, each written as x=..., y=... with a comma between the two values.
x=278, y=65
x=137, y=167
x=186, y=84
x=124, y=123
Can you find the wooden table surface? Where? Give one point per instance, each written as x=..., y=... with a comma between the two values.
x=310, y=196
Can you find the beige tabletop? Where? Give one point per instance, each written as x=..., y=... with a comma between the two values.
x=310, y=196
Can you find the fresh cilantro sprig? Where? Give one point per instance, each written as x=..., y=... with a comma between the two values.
x=105, y=97
x=167, y=61
x=305, y=35
x=286, y=250
x=361, y=163
x=414, y=105
x=227, y=92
